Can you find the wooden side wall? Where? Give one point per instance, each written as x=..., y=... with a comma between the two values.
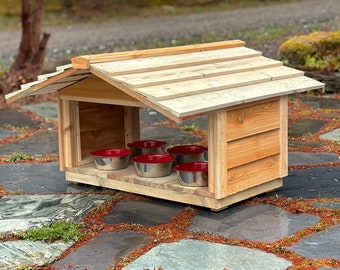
x=253, y=148
x=101, y=126
x=86, y=126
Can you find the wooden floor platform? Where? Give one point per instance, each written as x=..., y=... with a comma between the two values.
x=168, y=187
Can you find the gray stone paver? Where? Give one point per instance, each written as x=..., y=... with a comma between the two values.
x=311, y=183
x=332, y=135
x=21, y=212
x=47, y=141
x=37, y=178
x=330, y=205
x=7, y=133
x=302, y=158
x=305, y=126
x=16, y=119
x=194, y=254
x=324, y=244
x=262, y=222
x=45, y=109
x=147, y=213
x=16, y=254
x=103, y=251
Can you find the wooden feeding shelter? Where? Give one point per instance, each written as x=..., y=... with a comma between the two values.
x=243, y=94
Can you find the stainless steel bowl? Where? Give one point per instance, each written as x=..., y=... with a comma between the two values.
x=193, y=174
x=147, y=147
x=111, y=159
x=153, y=165
x=188, y=153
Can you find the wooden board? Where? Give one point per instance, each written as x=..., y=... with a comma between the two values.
x=101, y=126
x=224, y=98
x=93, y=89
x=156, y=76
x=84, y=61
x=194, y=196
x=252, y=119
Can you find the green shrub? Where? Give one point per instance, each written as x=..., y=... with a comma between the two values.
x=318, y=51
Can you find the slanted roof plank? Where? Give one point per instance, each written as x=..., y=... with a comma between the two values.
x=201, y=103
x=175, y=61
x=84, y=61
x=158, y=77
x=206, y=85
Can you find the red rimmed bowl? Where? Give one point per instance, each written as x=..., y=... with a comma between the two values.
x=111, y=159
x=193, y=174
x=188, y=153
x=147, y=147
x=153, y=165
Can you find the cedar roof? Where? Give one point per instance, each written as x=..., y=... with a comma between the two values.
x=184, y=80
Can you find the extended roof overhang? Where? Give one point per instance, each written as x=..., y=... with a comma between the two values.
x=181, y=81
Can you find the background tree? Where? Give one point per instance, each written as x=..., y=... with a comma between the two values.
x=30, y=58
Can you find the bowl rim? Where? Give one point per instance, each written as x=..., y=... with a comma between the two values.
x=146, y=144
x=153, y=158
x=191, y=167
x=111, y=152
x=183, y=149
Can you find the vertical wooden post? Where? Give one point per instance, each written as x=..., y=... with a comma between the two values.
x=69, y=134
x=131, y=124
x=283, y=136
x=217, y=145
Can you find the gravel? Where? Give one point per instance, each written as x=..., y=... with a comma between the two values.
x=67, y=41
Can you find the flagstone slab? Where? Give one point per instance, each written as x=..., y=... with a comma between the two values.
x=302, y=158
x=7, y=133
x=16, y=119
x=332, y=135
x=305, y=126
x=321, y=182
x=261, y=222
x=40, y=143
x=324, y=244
x=37, y=178
x=194, y=254
x=45, y=109
x=15, y=254
x=147, y=213
x=330, y=205
x=318, y=102
x=103, y=251
x=21, y=212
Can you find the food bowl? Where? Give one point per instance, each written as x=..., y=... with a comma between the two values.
x=194, y=174
x=147, y=147
x=188, y=153
x=153, y=165
x=111, y=159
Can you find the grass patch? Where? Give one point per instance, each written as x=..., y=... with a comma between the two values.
x=62, y=230
x=14, y=157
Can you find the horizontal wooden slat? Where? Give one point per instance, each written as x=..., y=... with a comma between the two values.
x=174, y=61
x=254, y=119
x=253, y=174
x=201, y=103
x=158, y=77
x=84, y=61
x=189, y=87
x=251, y=148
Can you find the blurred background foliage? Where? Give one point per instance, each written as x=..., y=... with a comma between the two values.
x=58, y=12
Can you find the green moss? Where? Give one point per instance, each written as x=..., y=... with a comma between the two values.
x=318, y=51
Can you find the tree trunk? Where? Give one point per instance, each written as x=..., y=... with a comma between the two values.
x=29, y=61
